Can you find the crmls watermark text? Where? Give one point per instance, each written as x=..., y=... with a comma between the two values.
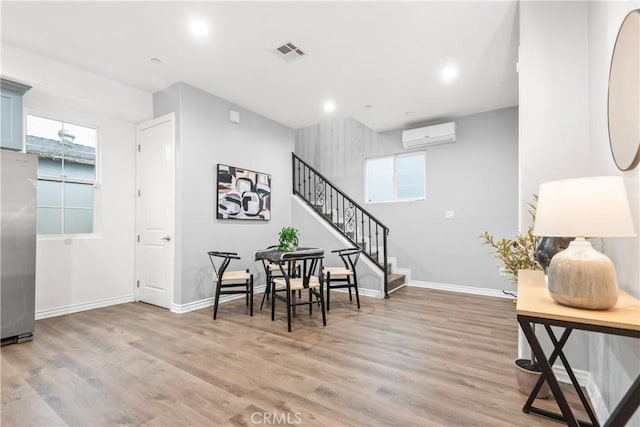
x=276, y=418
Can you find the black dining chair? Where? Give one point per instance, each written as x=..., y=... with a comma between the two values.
x=230, y=282
x=272, y=271
x=310, y=278
x=343, y=277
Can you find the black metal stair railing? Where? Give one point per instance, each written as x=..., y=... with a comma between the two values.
x=345, y=215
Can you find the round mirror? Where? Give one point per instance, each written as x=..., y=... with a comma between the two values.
x=624, y=94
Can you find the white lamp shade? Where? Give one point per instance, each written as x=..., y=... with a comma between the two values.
x=584, y=207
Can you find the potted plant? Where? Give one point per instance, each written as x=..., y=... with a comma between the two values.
x=516, y=254
x=289, y=239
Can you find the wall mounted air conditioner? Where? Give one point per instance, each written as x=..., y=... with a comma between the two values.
x=442, y=133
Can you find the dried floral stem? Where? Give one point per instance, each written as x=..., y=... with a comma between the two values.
x=519, y=253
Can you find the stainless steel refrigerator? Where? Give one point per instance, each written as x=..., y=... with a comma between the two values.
x=18, y=175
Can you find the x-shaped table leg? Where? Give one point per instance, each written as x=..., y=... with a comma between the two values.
x=547, y=374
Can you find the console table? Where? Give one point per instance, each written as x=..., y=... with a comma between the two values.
x=535, y=306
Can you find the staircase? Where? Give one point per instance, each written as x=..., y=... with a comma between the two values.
x=346, y=216
x=394, y=280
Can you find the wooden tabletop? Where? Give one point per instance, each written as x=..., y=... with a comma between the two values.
x=534, y=301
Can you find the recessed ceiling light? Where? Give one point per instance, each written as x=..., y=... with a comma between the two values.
x=449, y=73
x=329, y=106
x=368, y=106
x=410, y=113
x=199, y=28
x=156, y=60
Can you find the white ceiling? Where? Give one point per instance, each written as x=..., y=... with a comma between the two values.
x=386, y=54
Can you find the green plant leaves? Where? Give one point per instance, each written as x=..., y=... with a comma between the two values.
x=289, y=239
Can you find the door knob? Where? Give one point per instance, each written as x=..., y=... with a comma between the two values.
x=166, y=238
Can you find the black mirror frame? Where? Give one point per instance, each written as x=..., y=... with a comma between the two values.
x=622, y=164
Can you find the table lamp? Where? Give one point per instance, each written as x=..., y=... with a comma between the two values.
x=597, y=206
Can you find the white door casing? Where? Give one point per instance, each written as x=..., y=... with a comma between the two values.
x=155, y=211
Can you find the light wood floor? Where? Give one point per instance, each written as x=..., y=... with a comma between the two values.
x=420, y=358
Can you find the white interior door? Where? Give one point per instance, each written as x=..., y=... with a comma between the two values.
x=155, y=212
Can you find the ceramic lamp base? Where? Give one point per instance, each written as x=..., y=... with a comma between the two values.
x=582, y=277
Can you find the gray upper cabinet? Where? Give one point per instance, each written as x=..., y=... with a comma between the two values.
x=11, y=114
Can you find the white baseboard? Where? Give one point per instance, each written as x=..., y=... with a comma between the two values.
x=585, y=379
x=208, y=302
x=76, y=308
x=193, y=306
x=597, y=401
x=458, y=288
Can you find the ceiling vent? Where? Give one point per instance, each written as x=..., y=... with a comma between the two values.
x=290, y=51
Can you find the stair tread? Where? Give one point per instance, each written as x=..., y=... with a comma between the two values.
x=395, y=281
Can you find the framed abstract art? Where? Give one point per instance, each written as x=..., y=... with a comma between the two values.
x=243, y=194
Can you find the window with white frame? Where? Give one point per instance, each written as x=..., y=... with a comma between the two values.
x=66, y=174
x=398, y=178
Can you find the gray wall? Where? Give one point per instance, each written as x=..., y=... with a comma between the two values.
x=206, y=137
x=477, y=177
x=565, y=52
x=614, y=361
x=554, y=134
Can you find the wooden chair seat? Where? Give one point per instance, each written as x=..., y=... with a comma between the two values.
x=235, y=275
x=308, y=266
x=275, y=268
x=273, y=271
x=296, y=284
x=230, y=282
x=343, y=277
x=337, y=271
